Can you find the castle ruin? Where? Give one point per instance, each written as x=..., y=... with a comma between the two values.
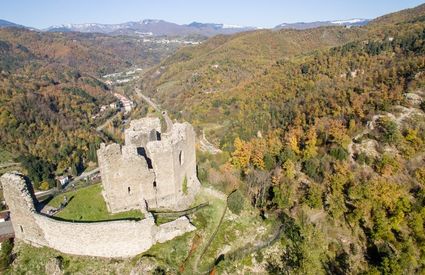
x=152, y=169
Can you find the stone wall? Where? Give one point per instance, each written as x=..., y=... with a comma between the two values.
x=103, y=239
x=123, y=171
x=153, y=164
x=122, y=238
x=19, y=196
x=142, y=131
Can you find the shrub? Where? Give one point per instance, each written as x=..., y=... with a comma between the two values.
x=420, y=175
x=287, y=154
x=313, y=196
x=269, y=162
x=390, y=131
x=362, y=158
x=339, y=153
x=184, y=188
x=6, y=254
x=44, y=185
x=202, y=174
x=159, y=271
x=387, y=165
x=312, y=168
x=235, y=202
x=423, y=105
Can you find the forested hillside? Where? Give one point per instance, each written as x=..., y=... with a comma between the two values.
x=91, y=53
x=330, y=139
x=49, y=94
x=223, y=62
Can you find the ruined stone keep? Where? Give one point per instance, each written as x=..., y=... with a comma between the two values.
x=152, y=169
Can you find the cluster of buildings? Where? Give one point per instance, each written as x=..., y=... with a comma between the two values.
x=126, y=103
x=170, y=41
x=123, y=102
x=121, y=77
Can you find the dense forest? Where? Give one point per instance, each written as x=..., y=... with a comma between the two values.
x=329, y=138
x=50, y=92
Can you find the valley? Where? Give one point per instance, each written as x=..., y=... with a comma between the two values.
x=308, y=141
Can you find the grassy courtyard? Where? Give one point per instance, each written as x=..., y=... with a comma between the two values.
x=87, y=204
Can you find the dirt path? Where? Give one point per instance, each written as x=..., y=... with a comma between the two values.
x=207, y=146
x=82, y=176
x=207, y=245
x=10, y=164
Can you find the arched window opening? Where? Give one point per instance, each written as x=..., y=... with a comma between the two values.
x=181, y=158
x=154, y=184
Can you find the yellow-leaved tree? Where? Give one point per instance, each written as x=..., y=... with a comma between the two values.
x=242, y=153
x=310, y=150
x=293, y=139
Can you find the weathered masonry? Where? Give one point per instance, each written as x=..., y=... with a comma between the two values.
x=152, y=169
x=122, y=238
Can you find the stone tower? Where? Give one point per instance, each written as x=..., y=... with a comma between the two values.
x=19, y=195
x=152, y=169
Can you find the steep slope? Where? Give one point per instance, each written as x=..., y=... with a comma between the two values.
x=50, y=95
x=223, y=62
x=331, y=143
x=400, y=16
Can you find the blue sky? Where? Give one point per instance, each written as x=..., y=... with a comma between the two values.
x=261, y=13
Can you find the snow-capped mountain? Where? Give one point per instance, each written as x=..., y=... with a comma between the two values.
x=153, y=27
x=355, y=21
x=309, y=25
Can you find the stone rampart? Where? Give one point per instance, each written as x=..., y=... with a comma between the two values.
x=121, y=238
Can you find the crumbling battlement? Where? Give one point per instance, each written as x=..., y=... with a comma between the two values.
x=123, y=238
x=152, y=169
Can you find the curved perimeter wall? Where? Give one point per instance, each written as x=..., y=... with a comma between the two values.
x=122, y=238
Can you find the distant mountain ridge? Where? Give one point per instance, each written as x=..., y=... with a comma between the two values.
x=355, y=22
x=157, y=27
x=8, y=24
x=153, y=27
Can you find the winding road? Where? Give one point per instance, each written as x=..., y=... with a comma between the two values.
x=109, y=120
x=167, y=119
x=82, y=176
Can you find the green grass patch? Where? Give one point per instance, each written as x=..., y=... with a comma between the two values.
x=169, y=255
x=33, y=260
x=5, y=156
x=87, y=204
